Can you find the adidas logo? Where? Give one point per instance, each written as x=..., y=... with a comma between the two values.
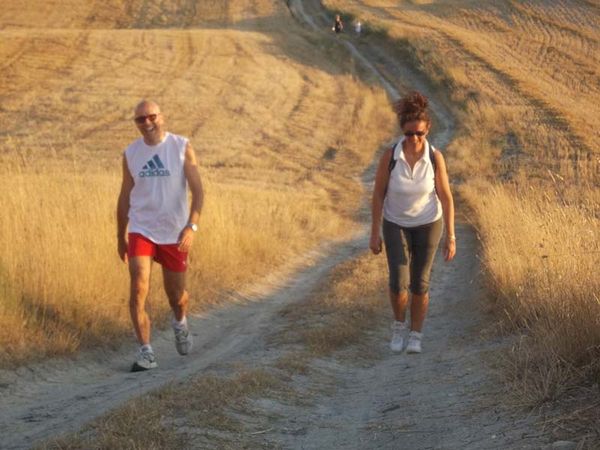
x=154, y=168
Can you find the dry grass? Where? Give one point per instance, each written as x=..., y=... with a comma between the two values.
x=282, y=132
x=59, y=275
x=524, y=80
x=137, y=425
x=343, y=310
x=171, y=417
x=294, y=363
x=540, y=269
x=71, y=14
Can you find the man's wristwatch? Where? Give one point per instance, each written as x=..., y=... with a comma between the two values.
x=193, y=226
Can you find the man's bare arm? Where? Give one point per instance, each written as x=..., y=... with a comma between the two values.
x=192, y=175
x=123, y=210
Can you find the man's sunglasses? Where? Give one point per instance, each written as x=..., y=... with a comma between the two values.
x=414, y=133
x=142, y=119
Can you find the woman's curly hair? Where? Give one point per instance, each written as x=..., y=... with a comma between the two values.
x=412, y=107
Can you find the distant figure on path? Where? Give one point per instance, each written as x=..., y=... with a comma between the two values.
x=412, y=193
x=358, y=27
x=338, y=26
x=154, y=223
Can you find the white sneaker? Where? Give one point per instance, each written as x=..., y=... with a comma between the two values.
x=183, y=339
x=144, y=361
x=414, y=342
x=397, y=342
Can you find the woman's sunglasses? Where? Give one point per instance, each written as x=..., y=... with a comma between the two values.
x=414, y=133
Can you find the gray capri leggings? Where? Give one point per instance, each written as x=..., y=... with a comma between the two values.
x=410, y=253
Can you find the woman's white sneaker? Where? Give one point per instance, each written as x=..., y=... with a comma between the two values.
x=414, y=342
x=398, y=330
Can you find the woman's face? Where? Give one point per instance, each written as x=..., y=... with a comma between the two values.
x=415, y=131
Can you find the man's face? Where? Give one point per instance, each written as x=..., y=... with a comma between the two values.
x=149, y=121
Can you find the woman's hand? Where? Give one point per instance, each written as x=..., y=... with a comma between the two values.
x=375, y=244
x=450, y=249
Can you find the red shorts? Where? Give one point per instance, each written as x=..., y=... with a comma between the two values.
x=167, y=255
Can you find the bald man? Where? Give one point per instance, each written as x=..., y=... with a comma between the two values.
x=154, y=223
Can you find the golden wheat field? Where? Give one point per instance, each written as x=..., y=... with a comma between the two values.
x=524, y=79
x=282, y=135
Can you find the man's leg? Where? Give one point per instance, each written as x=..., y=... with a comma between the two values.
x=175, y=288
x=139, y=271
x=178, y=299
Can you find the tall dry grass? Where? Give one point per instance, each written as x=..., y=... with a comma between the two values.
x=63, y=286
x=541, y=257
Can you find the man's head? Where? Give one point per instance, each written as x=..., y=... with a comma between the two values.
x=149, y=121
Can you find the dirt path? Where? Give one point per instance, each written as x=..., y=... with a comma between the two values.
x=58, y=396
x=444, y=398
x=447, y=397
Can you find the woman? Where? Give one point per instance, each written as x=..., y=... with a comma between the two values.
x=412, y=193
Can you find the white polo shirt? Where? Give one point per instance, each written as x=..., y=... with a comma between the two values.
x=411, y=199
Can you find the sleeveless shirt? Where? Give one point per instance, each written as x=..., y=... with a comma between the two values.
x=411, y=200
x=158, y=206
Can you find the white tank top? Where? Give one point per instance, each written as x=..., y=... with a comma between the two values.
x=411, y=200
x=158, y=207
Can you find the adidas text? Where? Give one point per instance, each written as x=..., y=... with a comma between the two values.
x=155, y=173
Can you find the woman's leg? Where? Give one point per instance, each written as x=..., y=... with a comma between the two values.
x=425, y=241
x=418, y=311
x=398, y=258
x=399, y=303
